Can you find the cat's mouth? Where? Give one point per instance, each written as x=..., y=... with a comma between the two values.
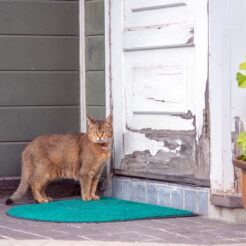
x=104, y=141
x=104, y=144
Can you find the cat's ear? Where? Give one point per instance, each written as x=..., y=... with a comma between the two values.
x=109, y=119
x=90, y=120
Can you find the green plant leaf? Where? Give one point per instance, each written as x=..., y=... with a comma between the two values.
x=241, y=79
x=241, y=141
x=243, y=66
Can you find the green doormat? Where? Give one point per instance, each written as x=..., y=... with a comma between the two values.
x=104, y=210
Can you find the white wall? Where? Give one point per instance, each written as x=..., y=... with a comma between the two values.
x=227, y=49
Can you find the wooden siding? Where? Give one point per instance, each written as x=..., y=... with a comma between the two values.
x=95, y=66
x=39, y=74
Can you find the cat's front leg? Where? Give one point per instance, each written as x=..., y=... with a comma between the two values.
x=85, y=188
x=94, y=184
x=93, y=189
x=85, y=184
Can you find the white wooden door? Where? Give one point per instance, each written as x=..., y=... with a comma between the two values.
x=156, y=75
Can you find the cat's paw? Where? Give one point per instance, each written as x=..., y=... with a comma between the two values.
x=86, y=198
x=50, y=199
x=95, y=197
x=42, y=200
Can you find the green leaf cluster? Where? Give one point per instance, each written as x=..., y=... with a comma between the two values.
x=241, y=139
x=241, y=78
x=241, y=142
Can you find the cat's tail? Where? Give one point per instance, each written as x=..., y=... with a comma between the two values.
x=24, y=183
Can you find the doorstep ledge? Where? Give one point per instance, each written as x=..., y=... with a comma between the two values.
x=227, y=201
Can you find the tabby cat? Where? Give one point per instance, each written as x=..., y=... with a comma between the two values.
x=79, y=156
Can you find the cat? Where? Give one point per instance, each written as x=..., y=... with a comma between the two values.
x=80, y=156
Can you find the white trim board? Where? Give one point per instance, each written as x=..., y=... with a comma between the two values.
x=82, y=65
x=227, y=49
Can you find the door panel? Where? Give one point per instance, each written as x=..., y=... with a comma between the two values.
x=158, y=81
x=158, y=68
x=158, y=36
x=158, y=12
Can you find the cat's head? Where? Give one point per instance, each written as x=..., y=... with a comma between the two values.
x=100, y=131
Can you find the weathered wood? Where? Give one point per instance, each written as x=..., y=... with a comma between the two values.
x=158, y=37
x=163, y=177
x=226, y=201
x=157, y=74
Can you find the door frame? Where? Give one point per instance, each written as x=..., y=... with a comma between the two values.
x=222, y=70
x=82, y=65
x=109, y=86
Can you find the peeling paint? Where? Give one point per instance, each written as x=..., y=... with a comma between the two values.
x=186, y=116
x=161, y=151
x=139, y=28
x=141, y=143
x=203, y=142
x=161, y=100
x=170, y=151
x=203, y=157
x=165, y=138
x=190, y=40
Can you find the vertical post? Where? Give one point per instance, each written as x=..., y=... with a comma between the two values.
x=82, y=65
x=221, y=171
x=108, y=88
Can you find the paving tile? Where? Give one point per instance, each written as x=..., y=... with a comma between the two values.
x=15, y=233
x=177, y=198
x=151, y=193
x=128, y=236
x=117, y=189
x=202, y=202
x=190, y=201
x=128, y=192
x=190, y=230
x=164, y=196
x=140, y=191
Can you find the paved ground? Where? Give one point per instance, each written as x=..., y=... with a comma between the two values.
x=189, y=231
x=91, y=243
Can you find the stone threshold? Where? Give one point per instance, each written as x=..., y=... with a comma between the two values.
x=179, y=196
